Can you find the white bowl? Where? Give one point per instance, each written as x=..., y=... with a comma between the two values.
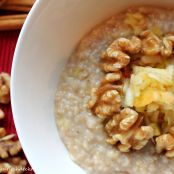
x=48, y=37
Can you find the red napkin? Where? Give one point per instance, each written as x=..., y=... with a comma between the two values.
x=8, y=41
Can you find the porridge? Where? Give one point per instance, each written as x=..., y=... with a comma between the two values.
x=114, y=103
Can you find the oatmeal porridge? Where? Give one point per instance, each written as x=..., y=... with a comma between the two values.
x=115, y=100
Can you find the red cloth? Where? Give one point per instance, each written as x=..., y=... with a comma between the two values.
x=8, y=41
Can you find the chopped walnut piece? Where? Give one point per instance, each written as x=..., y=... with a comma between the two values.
x=2, y=132
x=129, y=118
x=125, y=131
x=123, y=121
x=142, y=137
x=136, y=21
x=105, y=100
x=131, y=46
x=112, y=77
x=151, y=44
x=93, y=100
x=4, y=88
x=145, y=33
x=165, y=142
x=1, y=114
x=13, y=165
x=150, y=60
x=156, y=30
x=9, y=148
x=170, y=153
x=167, y=45
x=171, y=131
x=115, y=58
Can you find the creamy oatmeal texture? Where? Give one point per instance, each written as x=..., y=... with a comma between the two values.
x=81, y=131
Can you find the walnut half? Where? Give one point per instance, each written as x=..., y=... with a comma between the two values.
x=10, y=163
x=125, y=131
x=116, y=56
x=105, y=100
x=4, y=88
x=165, y=142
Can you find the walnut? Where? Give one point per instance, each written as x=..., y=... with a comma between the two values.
x=136, y=21
x=150, y=44
x=145, y=33
x=150, y=60
x=156, y=30
x=122, y=121
x=114, y=60
x=165, y=142
x=2, y=132
x=14, y=165
x=128, y=118
x=125, y=131
x=132, y=46
x=1, y=114
x=167, y=46
x=105, y=100
x=142, y=136
x=4, y=88
x=115, y=57
x=112, y=77
x=9, y=148
x=171, y=131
